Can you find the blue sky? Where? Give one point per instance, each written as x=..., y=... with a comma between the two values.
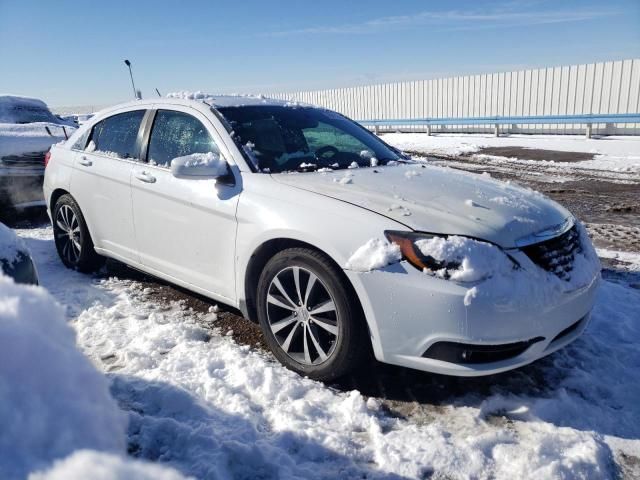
x=71, y=53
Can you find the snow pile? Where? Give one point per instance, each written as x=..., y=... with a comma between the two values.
x=88, y=464
x=499, y=280
x=346, y=179
x=52, y=399
x=376, y=253
x=466, y=260
x=10, y=245
x=205, y=164
x=225, y=100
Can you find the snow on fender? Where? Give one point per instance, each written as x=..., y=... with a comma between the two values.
x=374, y=254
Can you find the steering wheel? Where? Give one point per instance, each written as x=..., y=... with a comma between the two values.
x=319, y=154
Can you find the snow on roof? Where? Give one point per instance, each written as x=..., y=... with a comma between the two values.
x=13, y=107
x=227, y=100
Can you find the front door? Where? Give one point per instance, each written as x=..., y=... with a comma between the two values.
x=185, y=227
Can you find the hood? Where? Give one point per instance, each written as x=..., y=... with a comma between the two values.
x=439, y=200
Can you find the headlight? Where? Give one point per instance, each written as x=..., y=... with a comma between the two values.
x=411, y=253
x=458, y=258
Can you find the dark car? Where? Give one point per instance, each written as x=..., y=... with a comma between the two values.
x=15, y=259
x=27, y=130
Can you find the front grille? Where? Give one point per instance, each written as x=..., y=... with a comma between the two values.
x=557, y=254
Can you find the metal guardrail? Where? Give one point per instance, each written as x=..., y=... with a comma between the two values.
x=586, y=119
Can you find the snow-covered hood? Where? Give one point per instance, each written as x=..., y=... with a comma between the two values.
x=439, y=200
x=21, y=139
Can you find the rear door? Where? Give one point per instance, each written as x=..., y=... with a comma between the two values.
x=101, y=182
x=185, y=227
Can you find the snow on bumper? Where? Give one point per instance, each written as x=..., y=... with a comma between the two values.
x=408, y=312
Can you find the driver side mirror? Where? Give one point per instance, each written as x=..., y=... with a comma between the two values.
x=202, y=166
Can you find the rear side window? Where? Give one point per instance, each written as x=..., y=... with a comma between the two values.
x=116, y=136
x=176, y=134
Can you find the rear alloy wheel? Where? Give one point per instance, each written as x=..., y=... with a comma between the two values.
x=308, y=320
x=72, y=238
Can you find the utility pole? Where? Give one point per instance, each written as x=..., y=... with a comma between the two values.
x=136, y=93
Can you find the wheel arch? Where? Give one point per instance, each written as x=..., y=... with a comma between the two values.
x=55, y=195
x=259, y=258
x=59, y=192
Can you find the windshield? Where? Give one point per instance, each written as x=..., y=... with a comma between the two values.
x=284, y=138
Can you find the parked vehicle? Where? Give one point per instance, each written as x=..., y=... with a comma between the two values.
x=27, y=130
x=15, y=259
x=261, y=205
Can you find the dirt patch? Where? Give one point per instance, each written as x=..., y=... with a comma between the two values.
x=535, y=154
x=595, y=201
x=229, y=320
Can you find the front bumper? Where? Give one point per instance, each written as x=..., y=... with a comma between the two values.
x=410, y=313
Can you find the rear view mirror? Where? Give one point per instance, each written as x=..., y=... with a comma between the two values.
x=200, y=165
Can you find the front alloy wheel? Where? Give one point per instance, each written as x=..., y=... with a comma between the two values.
x=302, y=316
x=309, y=314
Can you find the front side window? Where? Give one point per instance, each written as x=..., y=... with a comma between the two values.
x=284, y=138
x=116, y=136
x=176, y=134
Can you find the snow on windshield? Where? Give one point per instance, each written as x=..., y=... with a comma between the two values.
x=290, y=138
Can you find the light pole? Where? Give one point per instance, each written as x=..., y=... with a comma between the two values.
x=133, y=85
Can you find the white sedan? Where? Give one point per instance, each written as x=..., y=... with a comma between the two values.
x=335, y=242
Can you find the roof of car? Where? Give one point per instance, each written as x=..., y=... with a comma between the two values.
x=227, y=100
x=198, y=100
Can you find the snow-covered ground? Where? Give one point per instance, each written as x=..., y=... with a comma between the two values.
x=54, y=405
x=210, y=408
x=610, y=154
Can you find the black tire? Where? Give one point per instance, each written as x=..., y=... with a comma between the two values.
x=77, y=253
x=343, y=351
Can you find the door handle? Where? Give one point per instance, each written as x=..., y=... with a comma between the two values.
x=85, y=162
x=145, y=177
